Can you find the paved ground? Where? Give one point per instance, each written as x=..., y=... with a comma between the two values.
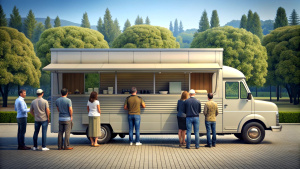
x=278, y=150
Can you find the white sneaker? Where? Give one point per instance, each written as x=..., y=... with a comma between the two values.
x=130, y=143
x=138, y=144
x=34, y=148
x=45, y=149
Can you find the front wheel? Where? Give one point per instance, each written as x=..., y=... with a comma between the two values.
x=253, y=133
x=106, y=134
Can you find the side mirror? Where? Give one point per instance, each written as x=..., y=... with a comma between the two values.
x=249, y=96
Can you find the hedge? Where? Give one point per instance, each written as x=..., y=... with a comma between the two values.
x=10, y=117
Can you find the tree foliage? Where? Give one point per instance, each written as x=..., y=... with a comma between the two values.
x=214, y=20
x=18, y=62
x=171, y=27
x=39, y=29
x=100, y=25
x=126, y=25
x=294, y=18
x=139, y=20
x=281, y=19
x=243, y=23
x=15, y=20
x=185, y=39
x=250, y=21
x=147, y=22
x=3, y=21
x=47, y=23
x=29, y=25
x=117, y=28
x=57, y=22
x=145, y=36
x=242, y=50
x=108, y=27
x=176, y=28
x=256, y=29
x=180, y=27
x=85, y=21
x=283, y=47
x=203, y=24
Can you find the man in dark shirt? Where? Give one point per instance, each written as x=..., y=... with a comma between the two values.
x=192, y=110
x=133, y=104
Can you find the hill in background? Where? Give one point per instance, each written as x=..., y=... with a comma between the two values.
x=267, y=25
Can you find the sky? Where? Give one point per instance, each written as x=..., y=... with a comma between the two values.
x=160, y=12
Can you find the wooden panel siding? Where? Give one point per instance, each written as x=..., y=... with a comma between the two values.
x=201, y=81
x=73, y=81
x=107, y=80
x=163, y=79
x=142, y=81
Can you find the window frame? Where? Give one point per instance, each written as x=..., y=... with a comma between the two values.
x=238, y=97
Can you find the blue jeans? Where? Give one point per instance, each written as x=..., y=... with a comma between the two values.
x=37, y=126
x=211, y=125
x=22, y=123
x=195, y=122
x=134, y=120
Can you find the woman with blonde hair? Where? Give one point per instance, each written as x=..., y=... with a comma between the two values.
x=93, y=107
x=181, y=118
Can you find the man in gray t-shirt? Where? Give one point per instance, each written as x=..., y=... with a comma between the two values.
x=40, y=110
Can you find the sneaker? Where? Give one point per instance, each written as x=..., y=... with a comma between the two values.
x=45, y=149
x=138, y=144
x=130, y=143
x=34, y=148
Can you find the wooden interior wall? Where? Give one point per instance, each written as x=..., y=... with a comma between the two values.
x=142, y=81
x=163, y=79
x=201, y=81
x=107, y=80
x=73, y=81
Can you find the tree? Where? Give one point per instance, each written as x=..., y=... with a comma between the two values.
x=250, y=21
x=19, y=64
x=117, y=28
x=281, y=19
x=100, y=25
x=85, y=21
x=126, y=25
x=176, y=29
x=267, y=26
x=243, y=23
x=242, y=50
x=283, y=47
x=47, y=23
x=139, y=20
x=203, y=24
x=180, y=27
x=185, y=39
x=66, y=37
x=294, y=18
x=108, y=27
x=15, y=20
x=145, y=36
x=147, y=22
x=214, y=21
x=39, y=29
x=29, y=25
x=57, y=22
x=3, y=21
x=256, y=29
x=171, y=27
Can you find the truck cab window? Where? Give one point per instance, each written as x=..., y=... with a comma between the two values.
x=232, y=90
x=244, y=92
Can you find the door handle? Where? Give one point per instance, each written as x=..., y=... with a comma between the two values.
x=225, y=105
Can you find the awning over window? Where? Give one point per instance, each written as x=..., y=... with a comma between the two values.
x=132, y=67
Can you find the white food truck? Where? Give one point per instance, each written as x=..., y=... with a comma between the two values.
x=160, y=75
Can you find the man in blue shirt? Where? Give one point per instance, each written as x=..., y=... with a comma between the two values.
x=192, y=110
x=21, y=108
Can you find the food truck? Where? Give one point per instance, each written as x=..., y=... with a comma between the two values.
x=160, y=75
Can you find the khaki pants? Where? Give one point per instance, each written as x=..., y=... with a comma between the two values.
x=64, y=127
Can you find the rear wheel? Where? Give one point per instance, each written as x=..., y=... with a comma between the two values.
x=253, y=133
x=106, y=134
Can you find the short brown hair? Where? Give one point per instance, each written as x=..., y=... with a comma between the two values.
x=210, y=95
x=21, y=91
x=93, y=97
x=184, y=95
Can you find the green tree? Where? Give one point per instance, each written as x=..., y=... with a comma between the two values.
x=294, y=18
x=139, y=20
x=108, y=27
x=100, y=25
x=283, y=47
x=47, y=23
x=243, y=23
x=145, y=36
x=267, y=26
x=66, y=37
x=250, y=21
x=242, y=50
x=85, y=21
x=180, y=27
x=39, y=29
x=214, y=20
x=256, y=29
x=117, y=28
x=57, y=22
x=147, y=22
x=176, y=29
x=19, y=64
x=171, y=27
x=126, y=25
x=281, y=19
x=29, y=25
x=185, y=39
x=3, y=21
x=203, y=24
x=15, y=20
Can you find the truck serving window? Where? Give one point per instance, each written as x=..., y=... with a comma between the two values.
x=243, y=91
x=232, y=90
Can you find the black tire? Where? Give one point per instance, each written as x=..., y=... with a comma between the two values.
x=253, y=133
x=122, y=135
x=106, y=134
x=238, y=135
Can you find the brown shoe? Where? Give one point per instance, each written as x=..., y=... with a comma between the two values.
x=96, y=145
x=69, y=148
x=27, y=148
x=24, y=148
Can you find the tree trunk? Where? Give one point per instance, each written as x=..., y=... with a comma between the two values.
x=256, y=91
x=277, y=92
x=270, y=93
x=5, y=95
x=280, y=92
x=289, y=93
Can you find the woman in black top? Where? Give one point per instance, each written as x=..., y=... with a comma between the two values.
x=181, y=118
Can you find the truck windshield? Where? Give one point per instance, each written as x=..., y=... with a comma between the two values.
x=243, y=93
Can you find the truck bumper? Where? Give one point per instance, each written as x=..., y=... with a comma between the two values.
x=276, y=128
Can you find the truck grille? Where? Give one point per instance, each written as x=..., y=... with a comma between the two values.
x=277, y=119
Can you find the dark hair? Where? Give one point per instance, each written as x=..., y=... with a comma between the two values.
x=184, y=95
x=93, y=97
x=133, y=90
x=38, y=94
x=64, y=91
x=21, y=91
x=210, y=95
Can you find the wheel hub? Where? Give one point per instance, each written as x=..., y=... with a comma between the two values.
x=253, y=133
x=103, y=134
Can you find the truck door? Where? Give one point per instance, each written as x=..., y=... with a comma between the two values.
x=235, y=104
